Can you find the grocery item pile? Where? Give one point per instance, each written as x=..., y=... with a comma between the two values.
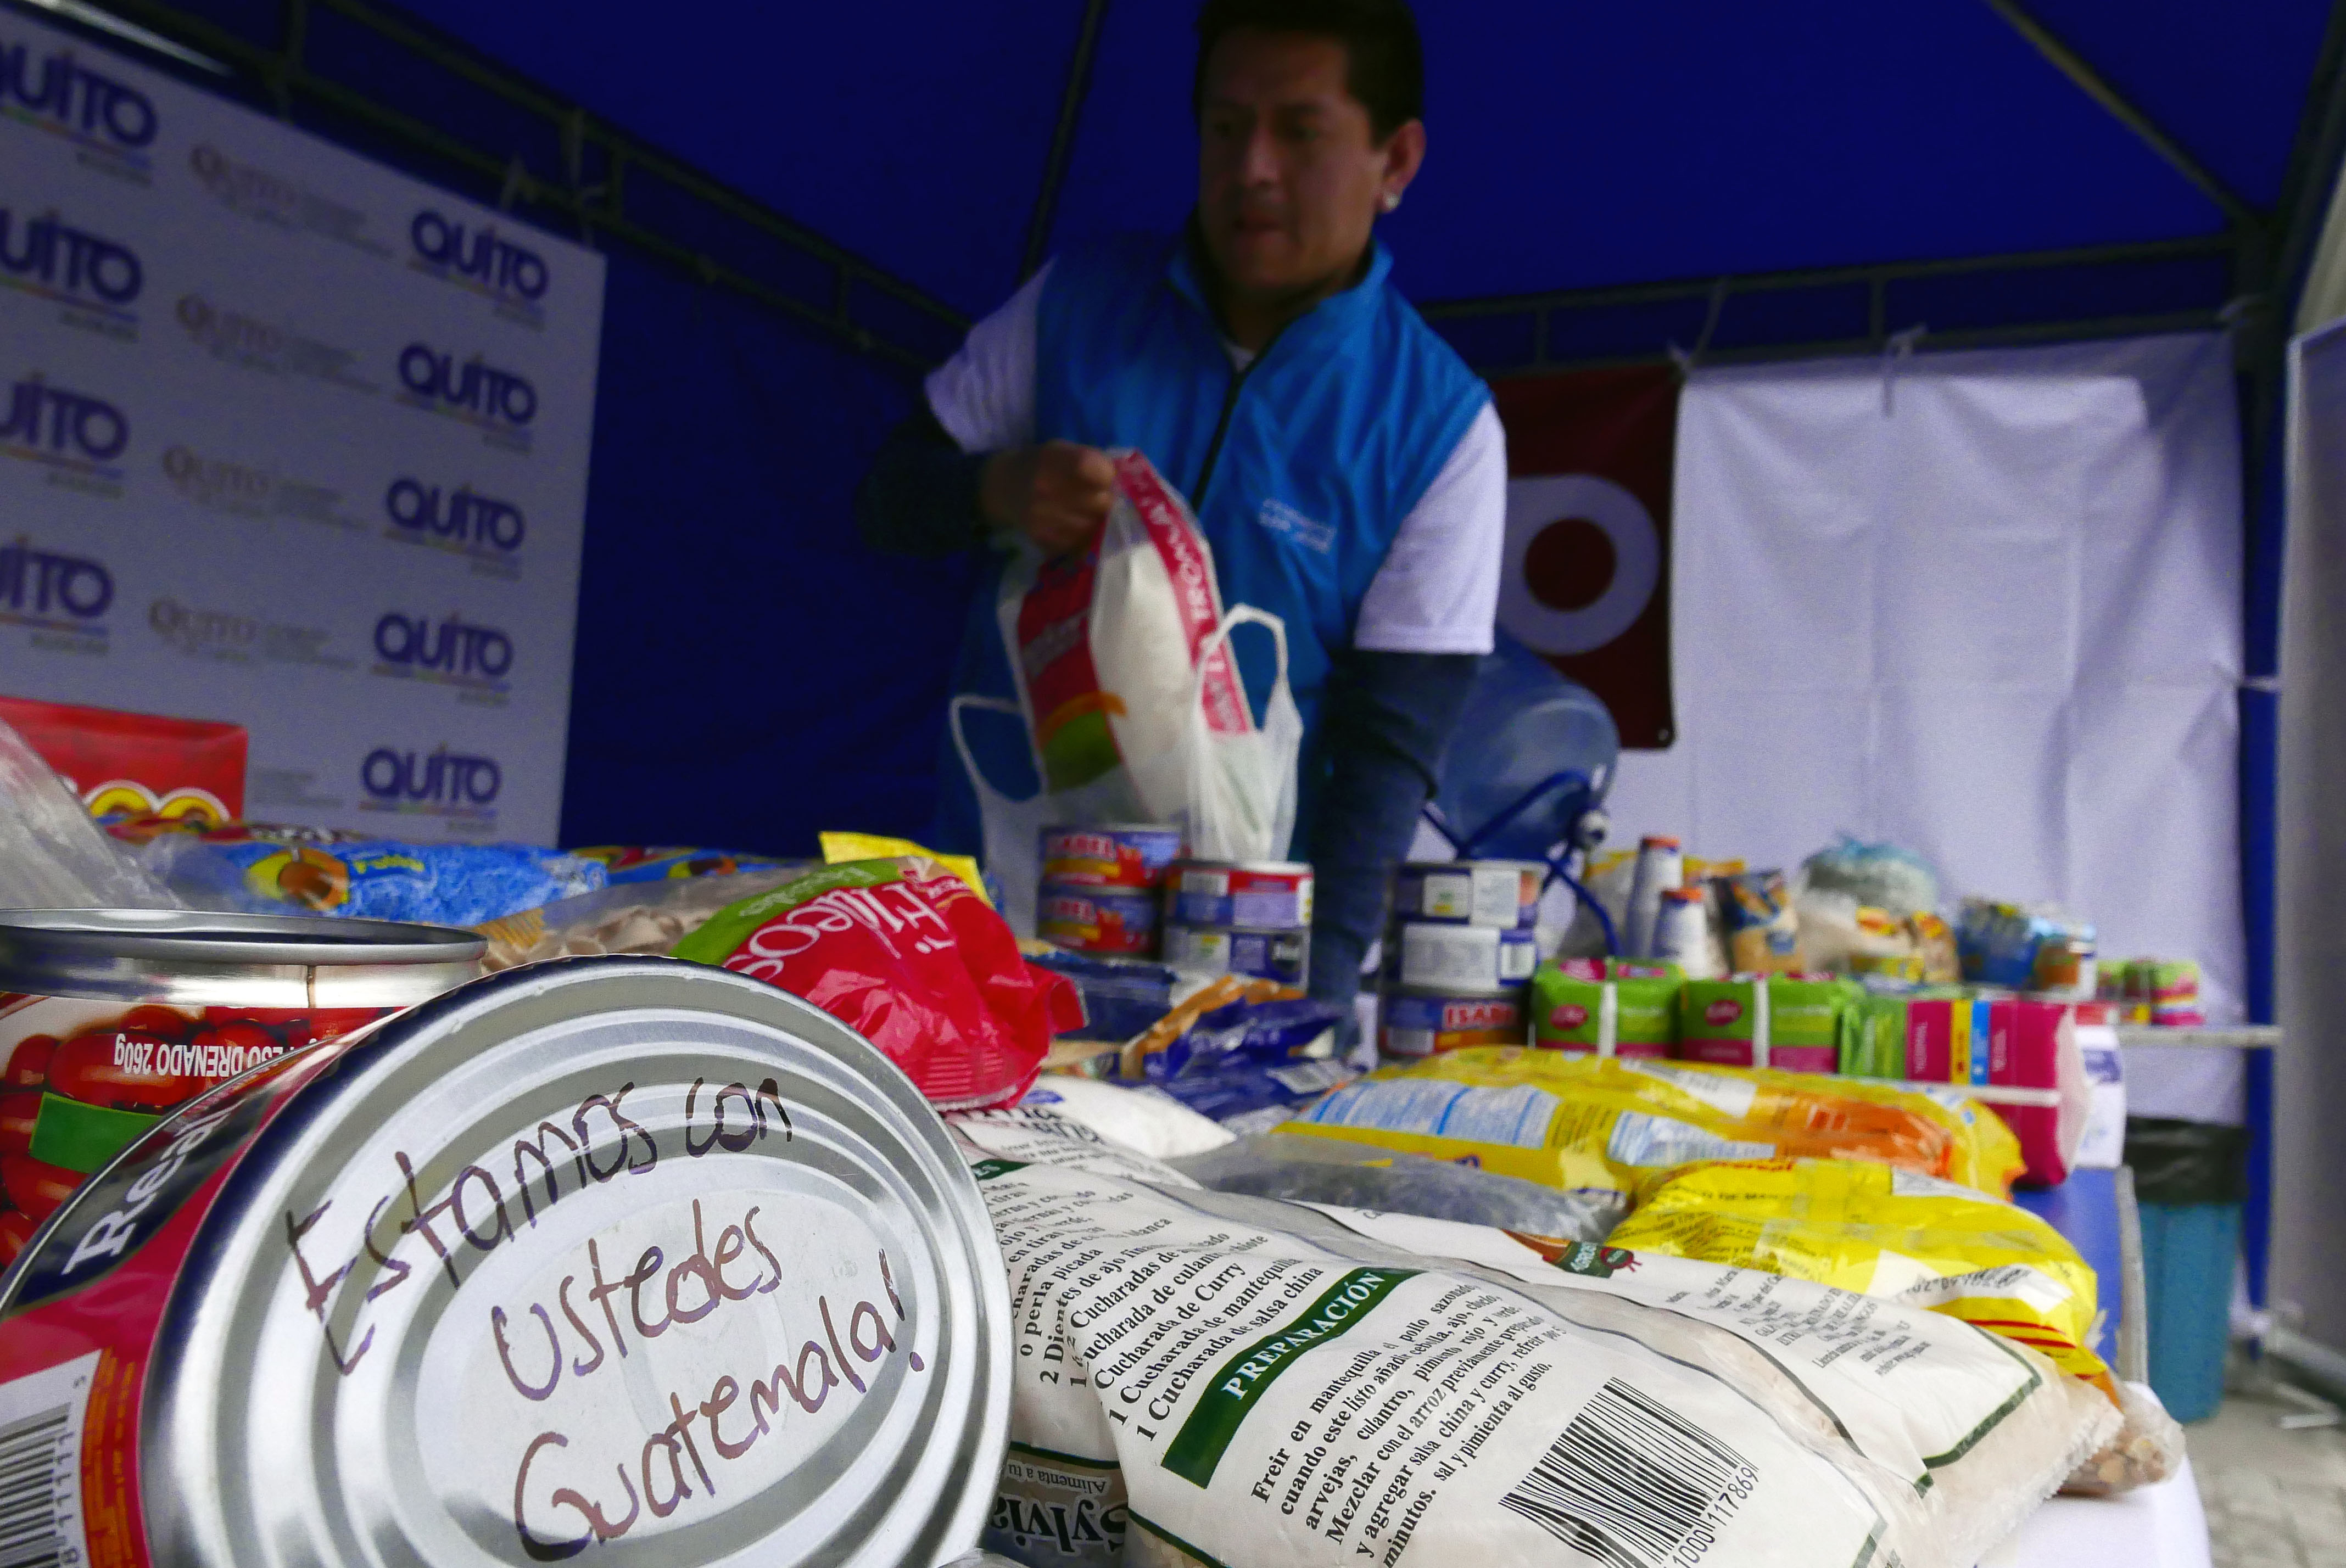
x=925, y=1235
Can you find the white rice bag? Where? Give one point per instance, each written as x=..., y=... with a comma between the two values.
x=1204, y=1378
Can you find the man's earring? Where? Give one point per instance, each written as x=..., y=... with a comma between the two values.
x=1389, y=200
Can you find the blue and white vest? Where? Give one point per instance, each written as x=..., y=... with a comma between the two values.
x=1300, y=468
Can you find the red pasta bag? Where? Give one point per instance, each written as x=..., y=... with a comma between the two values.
x=904, y=953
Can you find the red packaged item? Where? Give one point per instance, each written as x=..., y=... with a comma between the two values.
x=902, y=953
x=2033, y=1046
x=138, y=1013
x=136, y=763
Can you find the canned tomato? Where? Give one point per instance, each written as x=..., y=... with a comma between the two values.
x=1282, y=956
x=1427, y=1023
x=1098, y=919
x=1503, y=895
x=1124, y=855
x=591, y=1250
x=1267, y=895
x=1433, y=956
x=111, y=1019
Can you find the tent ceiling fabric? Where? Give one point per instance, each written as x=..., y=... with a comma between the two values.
x=1572, y=147
x=917, y=140
x=2228, y=81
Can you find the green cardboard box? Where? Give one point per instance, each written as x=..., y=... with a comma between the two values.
x=1570, y=1003
x=1874, y=1044
x=1805, y=1019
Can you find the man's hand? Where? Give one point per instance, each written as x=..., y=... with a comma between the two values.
x=1057, y=495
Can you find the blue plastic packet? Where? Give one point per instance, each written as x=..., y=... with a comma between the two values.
x=1258, y=1033
x=1251, y=1098
x=1122, y=996
x=1997, y=942
x=261, y=871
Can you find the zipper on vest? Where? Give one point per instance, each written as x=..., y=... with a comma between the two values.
x=1221, y=429
x=1222, y=425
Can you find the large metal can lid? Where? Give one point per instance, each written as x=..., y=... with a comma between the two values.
x=606, y=1247
x=201, y=958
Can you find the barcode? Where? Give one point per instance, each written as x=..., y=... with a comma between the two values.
x=1628, y=1481
x=36, y=1465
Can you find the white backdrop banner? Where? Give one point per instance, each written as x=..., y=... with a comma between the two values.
x=1983, y=605
x=290, y=439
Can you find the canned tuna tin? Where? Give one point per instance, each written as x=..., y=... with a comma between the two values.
x=1282, y=956
x=1120, y=856
x=1499, y=893
x=1098, y=919
x=1270, y=895
x=593, y=1248
x=1465, y=958
x=1427, y=1023
x=120, y=1016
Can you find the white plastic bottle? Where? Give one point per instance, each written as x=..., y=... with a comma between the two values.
x=1682, y=931
x=1660, y=864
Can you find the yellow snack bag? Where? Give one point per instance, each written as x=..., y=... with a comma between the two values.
x=840, y=846
x=1883, y=1232
x=1595, y=1124
x=1986, y=1155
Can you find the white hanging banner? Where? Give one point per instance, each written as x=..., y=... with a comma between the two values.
x=290, y=439
x=1983, y=605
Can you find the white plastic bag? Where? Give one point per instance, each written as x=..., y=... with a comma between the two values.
x=1102, y=644
x=1240, y=799
x=1011, y=847
x=51, y=856
x=1132, y=697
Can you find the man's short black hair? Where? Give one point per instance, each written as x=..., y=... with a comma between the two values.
x=1385, y=64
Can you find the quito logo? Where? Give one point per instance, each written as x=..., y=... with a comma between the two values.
x=473, y=389
x=441, y=782
x=50, y=589
x=450, y=649
x=461, y=518
x=42, y=254
x=480, y=260
x=43, y=422
x=67, y=96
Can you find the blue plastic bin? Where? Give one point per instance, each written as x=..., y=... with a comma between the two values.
x=2187, y=1253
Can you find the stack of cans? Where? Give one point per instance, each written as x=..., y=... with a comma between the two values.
x=1459, y=955
x=1101, y=886
x=1228, y=917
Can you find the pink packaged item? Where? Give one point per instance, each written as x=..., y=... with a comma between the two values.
x=2033, y=1044
x=1947, y=1040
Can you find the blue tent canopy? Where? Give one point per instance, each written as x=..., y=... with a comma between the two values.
x=804, y=204
x=1574, y=148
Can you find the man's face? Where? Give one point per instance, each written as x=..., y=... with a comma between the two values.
x=1289, y=176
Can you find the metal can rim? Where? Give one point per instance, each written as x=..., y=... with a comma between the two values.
x=1113, y=828
x=1408, y=923
x=1436, y=992
x=1464, y=993
x=1271, y=867
x=1470, y=865
x=195, y=955
x=1185, y=925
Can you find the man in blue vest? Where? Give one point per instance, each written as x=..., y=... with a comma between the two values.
x=1346, y=467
